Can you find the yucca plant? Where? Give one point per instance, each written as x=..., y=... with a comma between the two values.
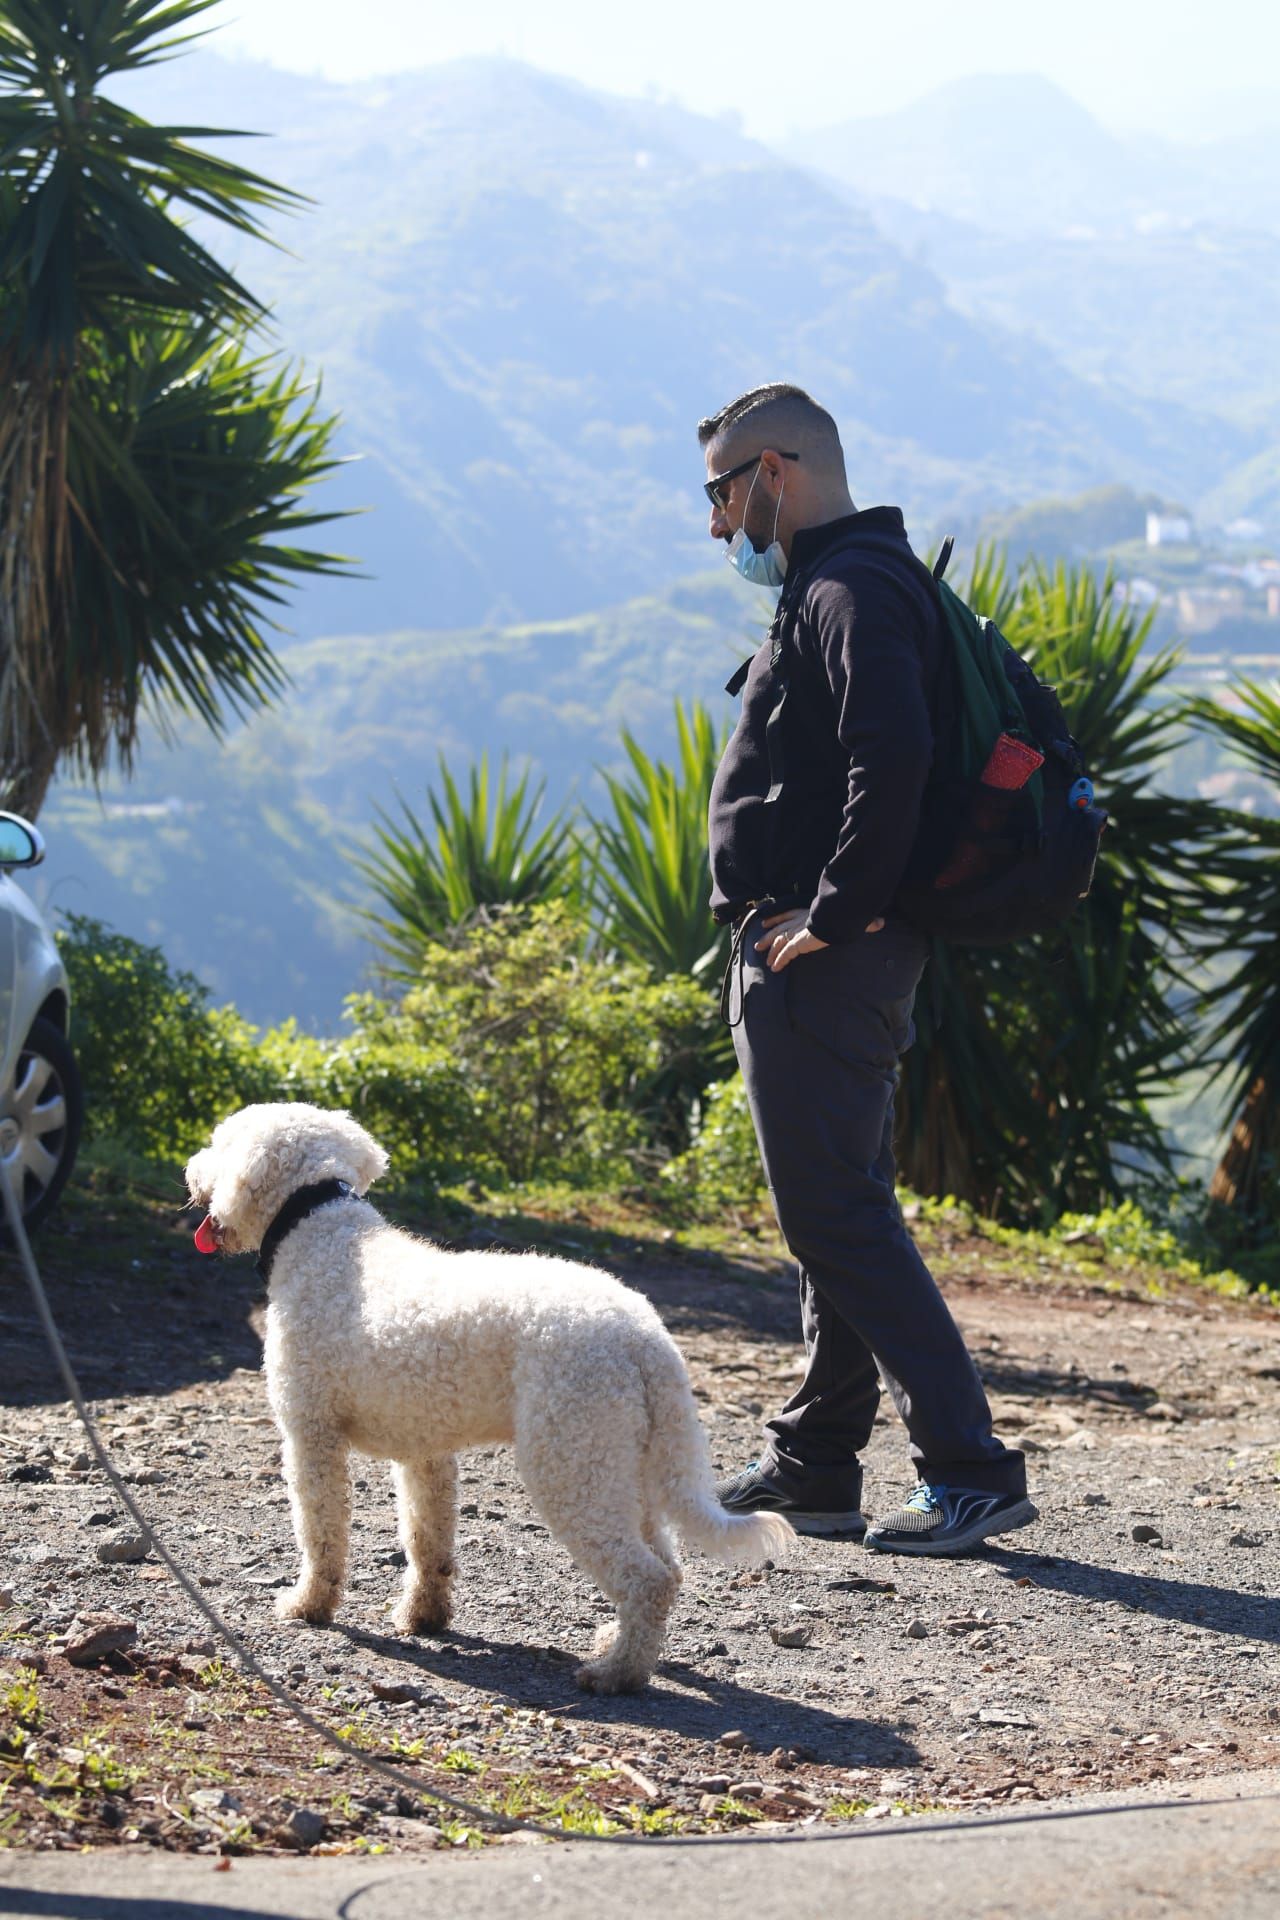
x=1030, y=1090
x=152, y=469
x=1244, y=1006
x=650, y=884
x=480, y=849
x=649, y=859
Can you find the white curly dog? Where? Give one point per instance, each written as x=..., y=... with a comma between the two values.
x=379, y=1341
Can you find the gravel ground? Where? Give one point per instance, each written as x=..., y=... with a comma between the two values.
x=1130, y=1637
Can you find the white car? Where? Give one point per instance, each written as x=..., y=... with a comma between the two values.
x=41, y=1105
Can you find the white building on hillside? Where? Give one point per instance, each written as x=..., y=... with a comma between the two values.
x=1168, y=530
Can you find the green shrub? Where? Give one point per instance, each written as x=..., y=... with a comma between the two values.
x=518, y=1056
x=565, y=1052
x=159, y=1064
x=722, y=1166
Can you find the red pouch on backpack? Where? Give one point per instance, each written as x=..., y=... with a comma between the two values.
x=1010, y=764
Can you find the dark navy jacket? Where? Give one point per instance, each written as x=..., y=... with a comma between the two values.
x=857, y=640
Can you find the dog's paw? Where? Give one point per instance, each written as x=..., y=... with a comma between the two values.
x=422, y=1613
x=609, y=1676
x=314, y=1609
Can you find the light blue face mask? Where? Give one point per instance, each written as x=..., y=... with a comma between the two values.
x=767, y=569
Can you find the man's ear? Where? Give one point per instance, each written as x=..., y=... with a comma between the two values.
x=773, y=467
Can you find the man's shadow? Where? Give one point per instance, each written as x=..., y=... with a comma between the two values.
x=1247, y=1616
x=680, y=1699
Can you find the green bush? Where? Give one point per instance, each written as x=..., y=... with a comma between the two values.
x=722, y=1166
x=566, y=1052
x=159, y=1064
x=518, y=1056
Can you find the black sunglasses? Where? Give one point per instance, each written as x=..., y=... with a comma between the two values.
x=712, y=488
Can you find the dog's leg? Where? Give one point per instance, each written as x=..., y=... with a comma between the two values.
x=426, y=1493
x=315, y=1471
x=593, y=1520
x=643, y=1588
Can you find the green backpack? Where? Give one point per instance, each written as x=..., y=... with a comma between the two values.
x=1009, y=835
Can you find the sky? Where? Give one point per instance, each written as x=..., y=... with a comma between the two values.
x=1136, y=64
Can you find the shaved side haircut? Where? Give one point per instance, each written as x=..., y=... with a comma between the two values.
x=779, y=416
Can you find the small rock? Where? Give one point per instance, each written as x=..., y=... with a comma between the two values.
x=917, y=1630
x=469, y=1510
x=737, y=1739
x=1082, y=1441
x=214, y=1800
x=198, y=1646
x=124, y=1547
x=29, y=1473
x=6, y=1599
x=1245, y=1540
x=91, y=1635
x=103, y=1517
x=398, y=1692
x=797, y=1636
x=1095, y=1500
x=712, y=1783
x=1148, y=1536
x=303, y=1829
x=1162, y=1410
x=748, y=1789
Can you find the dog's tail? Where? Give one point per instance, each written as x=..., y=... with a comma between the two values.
x=683, y=1479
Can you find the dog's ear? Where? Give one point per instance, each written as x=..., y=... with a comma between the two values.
x=365, y=1161
x=199, y=1177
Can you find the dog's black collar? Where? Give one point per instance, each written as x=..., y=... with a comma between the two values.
x=306, y=1200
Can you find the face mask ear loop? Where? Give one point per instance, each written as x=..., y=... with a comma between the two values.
x=776, y=515
x=742, y=528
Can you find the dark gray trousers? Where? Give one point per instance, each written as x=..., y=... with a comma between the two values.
x=818, y=1045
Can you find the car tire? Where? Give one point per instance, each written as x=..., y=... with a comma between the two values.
x=41, y=1112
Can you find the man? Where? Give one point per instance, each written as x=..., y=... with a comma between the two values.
x=813, y=815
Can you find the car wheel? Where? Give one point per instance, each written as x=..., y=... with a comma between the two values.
x=40, y=1115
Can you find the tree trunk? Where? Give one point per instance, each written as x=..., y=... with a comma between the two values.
x=34, y=582
x=1255, y=1137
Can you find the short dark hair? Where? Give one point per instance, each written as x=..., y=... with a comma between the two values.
x=778, y=414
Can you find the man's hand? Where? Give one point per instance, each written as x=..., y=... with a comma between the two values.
x=787, y=936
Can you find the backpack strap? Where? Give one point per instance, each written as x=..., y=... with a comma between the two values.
x=943, y=560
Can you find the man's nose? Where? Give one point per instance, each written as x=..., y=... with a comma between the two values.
x=718, y=525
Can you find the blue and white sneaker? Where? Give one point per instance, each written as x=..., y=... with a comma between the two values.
x=942, y=1520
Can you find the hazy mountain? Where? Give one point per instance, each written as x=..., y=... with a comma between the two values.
x=1176, y=312
x=523, y=294
x=1014, y=153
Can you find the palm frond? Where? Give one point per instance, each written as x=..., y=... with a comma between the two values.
x=479, y=849
x=649, y=870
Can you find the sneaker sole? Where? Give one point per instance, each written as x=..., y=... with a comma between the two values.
x=920, y=1544
x=848, y=1526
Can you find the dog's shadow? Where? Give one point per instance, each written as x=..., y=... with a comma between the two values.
x=680, y=1698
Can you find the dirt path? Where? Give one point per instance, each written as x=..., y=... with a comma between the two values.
x=1132, y=1636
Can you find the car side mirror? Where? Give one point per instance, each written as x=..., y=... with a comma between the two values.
x=20, y=844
